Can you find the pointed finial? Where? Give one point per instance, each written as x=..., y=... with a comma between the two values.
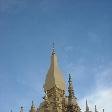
x=53, y=45
x=70, y=88
x=53, y=49
x=32, y=107
x=87, y=108
x=21, y=109
x=86, y=102
x=32, y=103
x=95, y=109
x=70, y=78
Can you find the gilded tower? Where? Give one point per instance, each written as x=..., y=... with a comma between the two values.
x=54, y=88
x=55, y=99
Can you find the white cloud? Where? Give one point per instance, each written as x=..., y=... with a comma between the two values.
x=101, y=98
x=102, y=95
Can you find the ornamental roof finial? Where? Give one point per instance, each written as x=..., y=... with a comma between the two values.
x=21, y=110
x=53, y=49
x=33, y=103
x=70, y=88
x=87, y=107
x=95, y=109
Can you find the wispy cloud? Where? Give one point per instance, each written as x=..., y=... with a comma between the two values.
x=102, y=95
x=101, y=98
x=95, y=80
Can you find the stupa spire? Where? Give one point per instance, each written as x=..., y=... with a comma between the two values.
x=54, y=77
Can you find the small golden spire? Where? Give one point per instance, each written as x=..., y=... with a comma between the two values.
x=32, y=104
x=33, y=109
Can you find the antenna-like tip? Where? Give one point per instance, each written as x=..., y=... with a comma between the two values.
x=53, y=49
x=70, y=77
x=32, y=103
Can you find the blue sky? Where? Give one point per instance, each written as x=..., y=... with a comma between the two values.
x=82, y=32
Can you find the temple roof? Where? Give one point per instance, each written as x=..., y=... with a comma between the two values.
x=54, y=76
